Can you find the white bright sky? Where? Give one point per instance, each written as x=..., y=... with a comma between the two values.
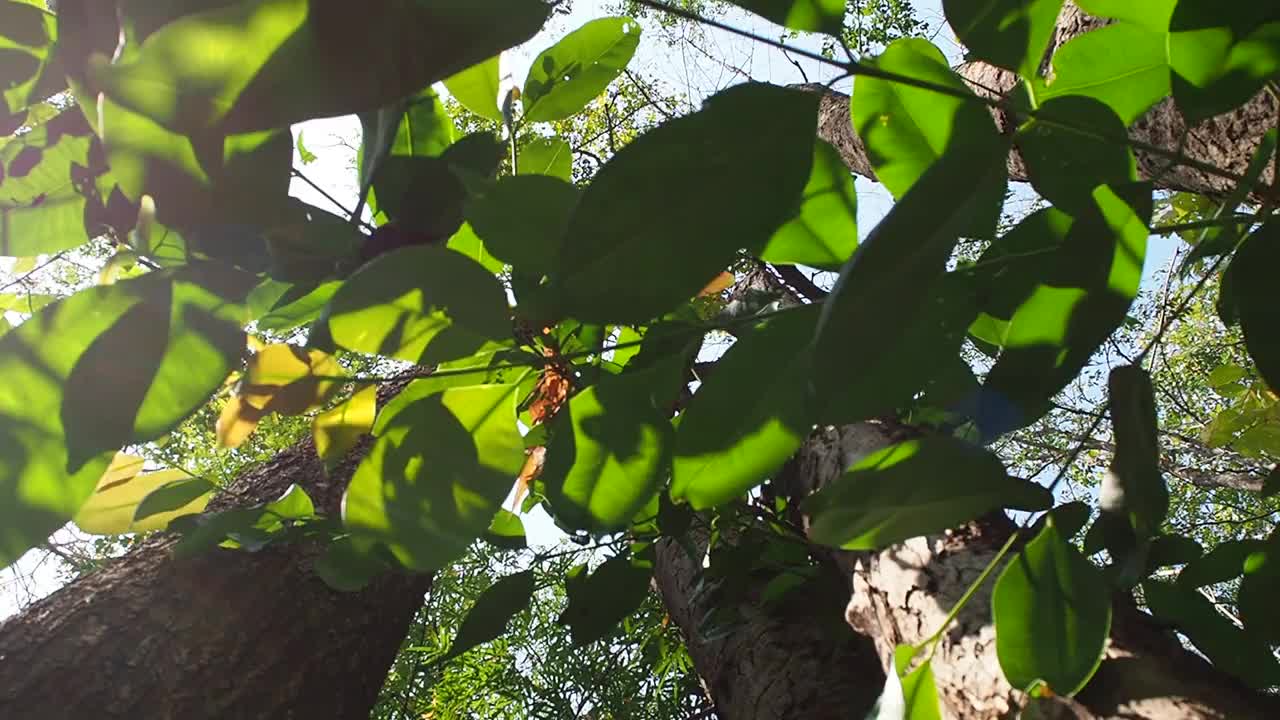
x=683, y=68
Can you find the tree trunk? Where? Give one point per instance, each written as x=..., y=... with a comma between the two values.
x=790, y=663
x=1227, y=141
x=227, y=634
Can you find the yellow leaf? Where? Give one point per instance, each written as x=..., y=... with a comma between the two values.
x=722, y=282
x=110, y=510
x=338, y=430
x=287, y=379
x=236, y=422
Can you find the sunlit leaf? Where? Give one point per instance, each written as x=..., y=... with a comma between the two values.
x=338, y=430
x=1221, y=54
x=825, y=233
x=547, y=156
x=441, y=466
x=569, y=74
x=111, y=509
x=1122, y=65
x=422, y=304
x=749, y=416
x=1052, y=614
x=476, y=89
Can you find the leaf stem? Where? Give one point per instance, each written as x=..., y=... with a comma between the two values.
x=932, y=640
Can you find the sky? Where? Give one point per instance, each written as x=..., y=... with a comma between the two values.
x=727, y=59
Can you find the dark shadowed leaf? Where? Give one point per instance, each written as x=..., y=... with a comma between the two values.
x=488, y=617
x=569, y=74
x=825, y=16
x=1065, y=166
x=599, y=601
x=1009, y=33
x=915, y=488
x=1223, y=563
x=719, y=187
x=1258, y=590
x=1233, y=650
x=522, y=220
x=1221, y=54
x=1253, y=272
x=422, y=304
x=350, y=564
x=269, y=64
x=506, y=531
x=1052, y=614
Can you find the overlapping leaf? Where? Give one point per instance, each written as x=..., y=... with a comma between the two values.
x=569, y=74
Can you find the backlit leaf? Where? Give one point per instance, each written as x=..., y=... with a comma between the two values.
x=1009, y=33
x=337, y=431
x=476, y=89
x=569, y=74
x=112, y=508
x=825, y=233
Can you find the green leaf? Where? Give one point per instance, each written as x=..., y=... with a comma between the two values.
x=421, y=304
x=506, y=531
x=487, y=618
x=176, y=337
x=571, y=73
x=906, y=129
x=1133, y=497
x=1253, y=288
x=422, y=129
x=720, y=189
x=440, y=468
x=1152, y=14
x=1066, y=166
x=476, y=89
x=914, y=488
x=907, y=695
x=1065, y=284
x=547, y=156
x=173, y=499
x=1221, y=54
x=748, y=416
x=267, y=63
x=306, y=156
x=299, y=305
x=349, y=564
x=1169, y=550
x=1009, y=33
x=1259, y=588
x=42, y=207
x=522, y=220
x=908, y=249
x=28, y=70
x=468, y=243
x=1233, y=650
x=825, y=233
x=825, y=16
x=1122, y=65
x=1222, y=563
x=1052, y=614
x=599, y=601
x=611, y=449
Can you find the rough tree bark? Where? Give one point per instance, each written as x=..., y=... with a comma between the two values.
x=1227, y=141
x=227, y=634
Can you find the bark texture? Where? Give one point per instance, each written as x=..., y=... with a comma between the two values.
x=791, y=663
x=1227, y=141
x=227, y=634
x=902, y=595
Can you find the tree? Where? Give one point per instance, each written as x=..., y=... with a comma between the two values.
x=174, y=146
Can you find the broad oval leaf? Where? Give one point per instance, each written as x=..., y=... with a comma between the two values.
x=749, y=416
x=1009, y=33
x=825, y=16
x=266, y=64
x=599, y=601
x=1135, y=489
x=1122, y=65
x=143, y=502
x=487, y=618
x=1052, y=614
x=1231, y=649
x=506, y=531
x=1066, y=166
x=468, y=243
x=421, y=304
x=476, y=88
x=610, y=451
x=338, y=430
x=547, y=156
x=1222, y=563
x=720, y=189
x=569, y=74
x=522, y=220
x=1253, y=287
x=825, y=233
x=1221, y=54
x=906, y=129
x=440, y=468
x=914, y=488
